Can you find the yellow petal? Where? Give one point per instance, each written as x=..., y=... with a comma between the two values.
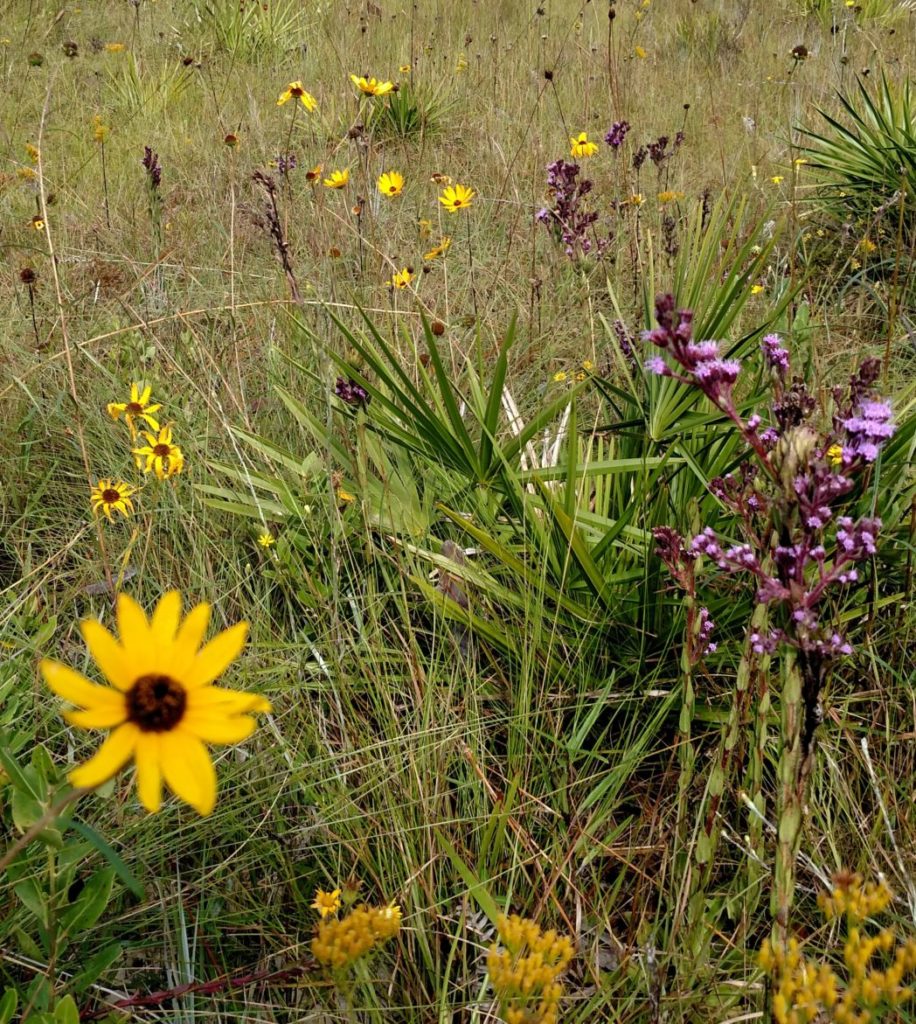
x=136, y=638
x=135, y=392
x=98, y=718
x=188, y=770
x=108, y=654
x=165, y=619
x=213, y=728
x=149, y=771
x=144, y=398
x=215, y=700
x=216, y=656
x=190, y=636
x=113, y=754
x=74, y=687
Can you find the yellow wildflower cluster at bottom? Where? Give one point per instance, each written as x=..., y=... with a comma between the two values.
x=341, y=941
x=525, y=973
x=804, y=991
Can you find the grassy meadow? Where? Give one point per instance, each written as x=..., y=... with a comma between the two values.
x=533, y=629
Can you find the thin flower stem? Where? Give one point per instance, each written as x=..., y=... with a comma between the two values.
x=471, y=268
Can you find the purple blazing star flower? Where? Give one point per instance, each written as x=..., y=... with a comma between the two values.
x=351, y=392
x=616, y=134
x=867, y=431
x=776, y=356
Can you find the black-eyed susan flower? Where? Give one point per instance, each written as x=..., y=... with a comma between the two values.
x=337, y=179
x=326, y=902
x=314, y=173
x=38, y=222
x=456, y=197
x=391, y=183
x=372, y=86
x=138, y=408
x=159, y=455
x=162, y=707
x=440, y=250
x=108, y=496
x=296, y=91
x=579, y=146
x=401, y=279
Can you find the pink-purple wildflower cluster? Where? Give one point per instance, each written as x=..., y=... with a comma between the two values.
x=567, y=215
x=797, y=546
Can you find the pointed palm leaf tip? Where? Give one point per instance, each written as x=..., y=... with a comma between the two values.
x=161, y=706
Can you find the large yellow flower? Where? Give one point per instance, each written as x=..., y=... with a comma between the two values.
x=371, y=86
x=138, y=408
x=579, y=146
x=457, y=197
x=296, y=91
x=401, y=279
x=391, y=183
x=161, y=456
x=107, y=497
x=162, y=706
x=337, y=179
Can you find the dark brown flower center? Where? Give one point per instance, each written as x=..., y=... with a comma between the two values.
x=134, y=408
x=110, y=495
x=156, y=703
x=162, y=450
x=296, y=91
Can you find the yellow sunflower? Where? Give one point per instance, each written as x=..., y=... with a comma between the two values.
x=391, y=183
x=401, y=279
x=161, y=706
x=579, y=146
x=456, y=197
x=138, y=408
x=337, y=179
x=107, y=497
x=372, y=86
x=296, y=91
x=161, y=456
x=440, y=250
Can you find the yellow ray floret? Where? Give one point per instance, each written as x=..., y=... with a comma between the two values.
x=161, y=707
x=159, y=455
x=456, y=197
x=391, y=183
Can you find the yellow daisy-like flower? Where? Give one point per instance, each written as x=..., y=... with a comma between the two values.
x=579, y=146
x=162, y=457
x=456, y=197
x=640, y=52
x=440, y=250
x=372, y=86
x=401, y=279
x=669, y=196
x=636, y=199
x=405, y=69
x=391, y=183
x=107, y=497
x=138, y=408
x=267, y=539
x=296, y=91
x=161, y=706
x=776, y=179
x=314, y=173
x=38, y=222
x=756, y=289
x=337, y=179
x=835, y=454
x=326, y=902
x=560, y=376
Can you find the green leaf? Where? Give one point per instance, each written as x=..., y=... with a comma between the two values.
x=476, y=888
x=8, y=1003
x=34, y=899
x=89, y=905
x=95, y=967
x=66, y=1012
x=121, y=869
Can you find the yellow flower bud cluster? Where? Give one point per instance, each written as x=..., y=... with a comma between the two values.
x=876, y=965
x=339, y=942
x=524, y=973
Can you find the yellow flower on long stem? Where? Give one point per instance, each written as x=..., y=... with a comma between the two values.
x=161, y=706
x=372, y=86
x=296, y=91
x=107, y=497
x=440, y=250
x=337, y=179
x=579, y=146
x=391, y=183
x=138, y=408
x=456, y=197
x=401, y=279
x=162, y=457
